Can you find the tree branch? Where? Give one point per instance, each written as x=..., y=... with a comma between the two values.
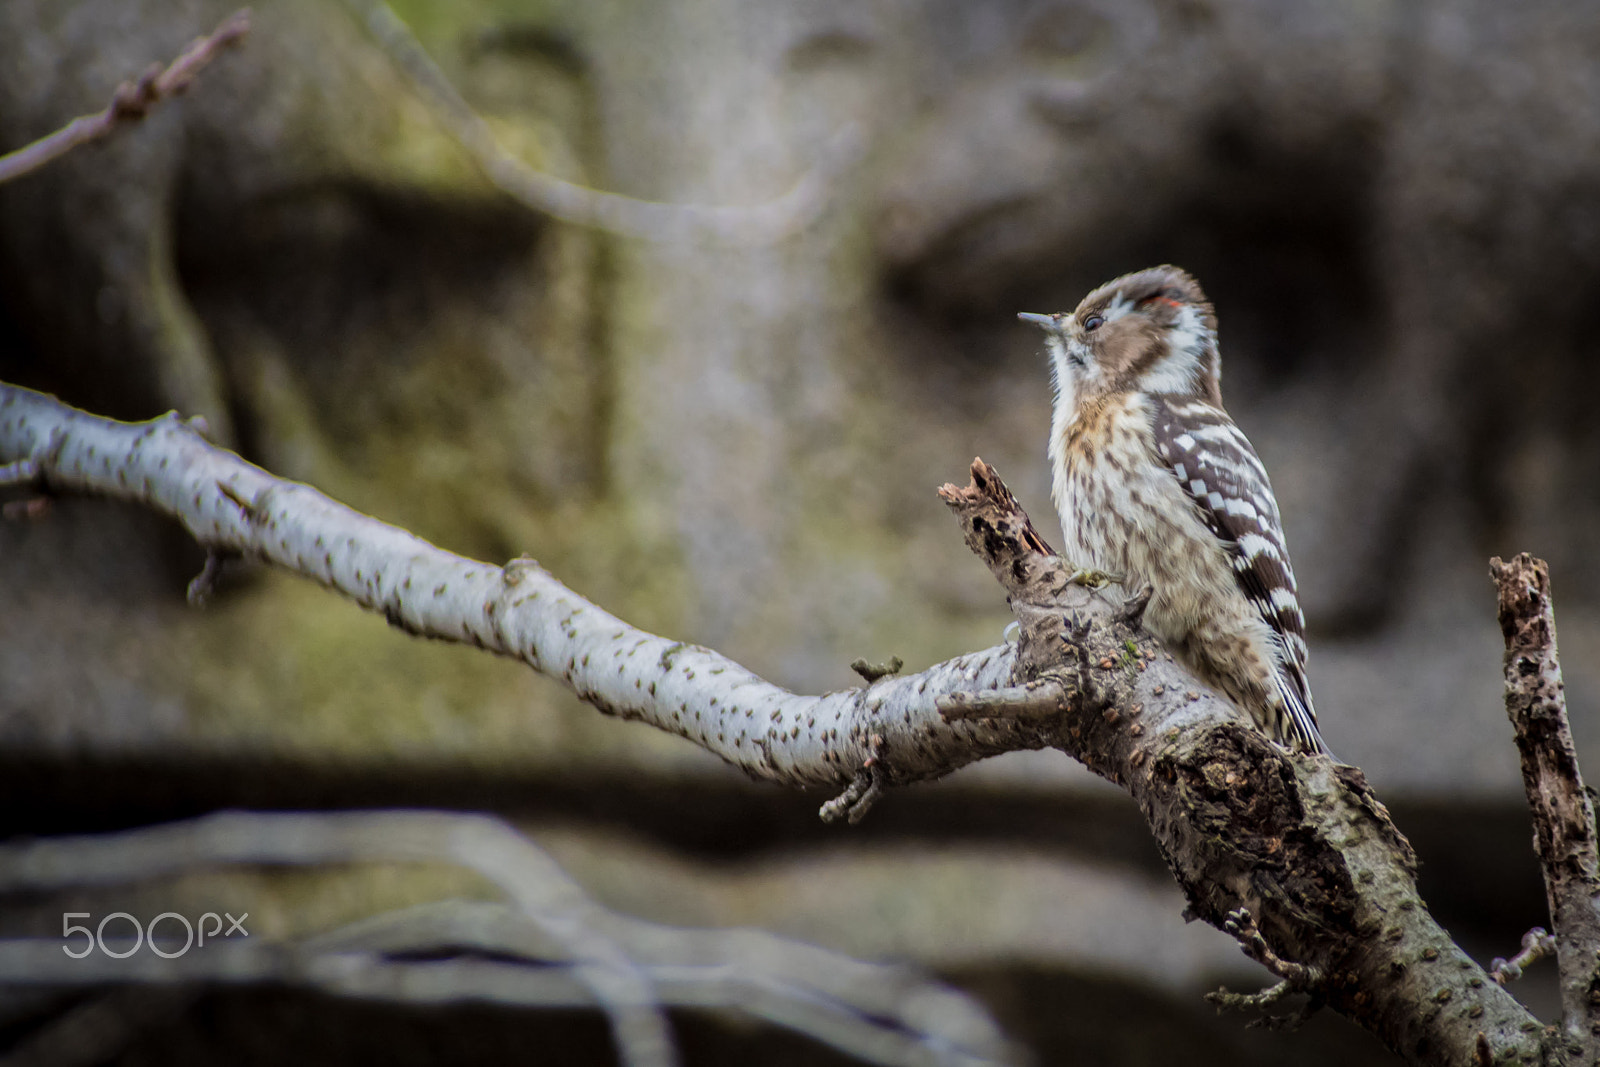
x=131, y=102
x=890, y=729
x=1563, y=816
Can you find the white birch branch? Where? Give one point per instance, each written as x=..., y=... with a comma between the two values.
x=886, y=733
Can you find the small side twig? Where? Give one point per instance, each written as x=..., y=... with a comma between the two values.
x=132, y=101
x=1536, y=945
x=1034, y=702
x=873, y=672
x=987, y=489
x=205, y=583
x=1266, y=998
x=1242, y=925
x=863, y=791
x=1294, y=978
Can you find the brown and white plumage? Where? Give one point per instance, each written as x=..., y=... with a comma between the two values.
x=1157, y=486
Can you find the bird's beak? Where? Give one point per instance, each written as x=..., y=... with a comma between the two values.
x=1046, y=321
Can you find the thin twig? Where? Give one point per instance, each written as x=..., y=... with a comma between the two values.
x=131, y=102
x=863, y=791
x=1536, y=945
x=1242, y=925
x=205, y=583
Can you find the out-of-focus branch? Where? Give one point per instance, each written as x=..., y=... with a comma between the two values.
x=1563, y=816
x=759, y=224
x=531, y=879
x=542, y=946
x=131, y=102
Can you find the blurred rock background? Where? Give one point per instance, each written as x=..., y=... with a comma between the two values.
x=1395, y=207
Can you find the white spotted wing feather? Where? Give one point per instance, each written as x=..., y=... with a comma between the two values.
x=1219, y=470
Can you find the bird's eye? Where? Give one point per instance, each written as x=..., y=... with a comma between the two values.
x=1092, y=323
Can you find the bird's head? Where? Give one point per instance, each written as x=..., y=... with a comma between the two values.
x=1152, y=331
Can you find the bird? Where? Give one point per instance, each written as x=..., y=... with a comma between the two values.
x=1158, y=488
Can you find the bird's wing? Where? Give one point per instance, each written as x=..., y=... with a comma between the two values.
x=1220, y=471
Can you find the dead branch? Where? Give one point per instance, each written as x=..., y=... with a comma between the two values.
x=1536, y=945
x=1563, y=817
x=132, y=101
